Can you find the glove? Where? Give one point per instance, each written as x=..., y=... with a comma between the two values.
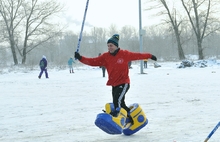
x=78, y=56
x=154, y=58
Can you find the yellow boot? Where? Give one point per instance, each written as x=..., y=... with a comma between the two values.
x=109, y=123
x=120, y=117
x=139, y=120
x=109, y=107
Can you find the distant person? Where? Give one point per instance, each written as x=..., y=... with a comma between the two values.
x=43, y=67
x=129, y=65
x=103, y=68
x=70, y=64
x=145, y=63
x=116, y=62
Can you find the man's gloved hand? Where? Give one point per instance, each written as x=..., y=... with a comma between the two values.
x=154, y=58
x=78, y=56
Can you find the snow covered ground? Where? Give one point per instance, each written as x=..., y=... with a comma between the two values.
x=182, y=105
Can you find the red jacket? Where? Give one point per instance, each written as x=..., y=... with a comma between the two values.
x=117, y=66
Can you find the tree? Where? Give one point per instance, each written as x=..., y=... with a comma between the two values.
x=172, y=21
x=27, y=24
x=98, y=40
x=129, y=38
x=112, y=30
x=202, y=22
x=12, y=16
x=175, y=26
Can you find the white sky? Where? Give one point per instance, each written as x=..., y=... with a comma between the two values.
x=103, y=13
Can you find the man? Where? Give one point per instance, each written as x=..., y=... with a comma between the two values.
x=116, y=62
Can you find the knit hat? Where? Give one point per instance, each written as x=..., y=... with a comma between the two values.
x=44, y=56
x=114, y=39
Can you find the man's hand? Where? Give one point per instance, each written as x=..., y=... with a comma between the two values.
x=154, y=58
x=78, y=56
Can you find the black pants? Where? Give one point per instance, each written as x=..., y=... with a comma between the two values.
x=103, y=71
x=118, y=95
x=145, y=64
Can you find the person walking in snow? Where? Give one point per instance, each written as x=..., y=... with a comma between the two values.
x=43, y=67
x=116, y=63
x=70, y=64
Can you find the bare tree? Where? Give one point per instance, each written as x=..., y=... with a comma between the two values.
x=112, y=30
x=1, y=30
x=172, y=21
x=38, y=28
x=98, y=37
x=28, y=22
x=203, y=24
x=12, y=16
x=129, y=38
x=175, y=25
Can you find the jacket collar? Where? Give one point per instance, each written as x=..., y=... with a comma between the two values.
x=115, y=52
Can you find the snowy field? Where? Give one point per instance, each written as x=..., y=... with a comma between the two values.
x=182, y=105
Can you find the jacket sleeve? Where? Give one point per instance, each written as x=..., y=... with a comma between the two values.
x=97, y=61
x=139, y=56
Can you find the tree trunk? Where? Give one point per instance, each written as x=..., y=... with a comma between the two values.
x=23, y=59
x=180, y=49
x=180, y=52
x=200, y=50
x=12, y=45
x=24, y=53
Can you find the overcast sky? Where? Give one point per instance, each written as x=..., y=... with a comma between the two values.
x=103, y=13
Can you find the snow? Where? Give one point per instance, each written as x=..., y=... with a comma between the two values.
x=182, y=105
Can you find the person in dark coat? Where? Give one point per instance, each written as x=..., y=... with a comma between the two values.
x=43, y=67
x=129, y=65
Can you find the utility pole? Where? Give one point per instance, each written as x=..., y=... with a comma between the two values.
x=140, y=37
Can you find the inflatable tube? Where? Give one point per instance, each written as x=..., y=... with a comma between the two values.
x=139, y=120
x=110, y=124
